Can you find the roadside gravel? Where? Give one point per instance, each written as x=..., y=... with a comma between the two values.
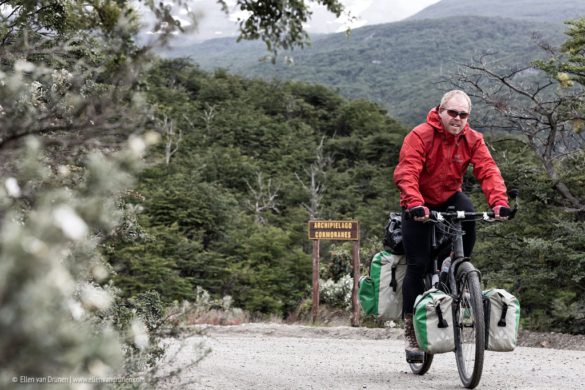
x=277, y=356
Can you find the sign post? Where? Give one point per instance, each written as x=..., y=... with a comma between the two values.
x=315, y=306
x=336, y=230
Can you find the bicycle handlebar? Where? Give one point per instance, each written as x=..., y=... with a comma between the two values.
x=440, y=216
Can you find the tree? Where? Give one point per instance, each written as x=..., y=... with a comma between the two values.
x=539, y=255
x=278, y=23
x=533, y=103
x=572, y=60
x=80, y=66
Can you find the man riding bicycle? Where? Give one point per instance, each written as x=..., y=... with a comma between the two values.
x=433, y=160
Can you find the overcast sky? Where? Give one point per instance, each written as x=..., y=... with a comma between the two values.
x=215, y=24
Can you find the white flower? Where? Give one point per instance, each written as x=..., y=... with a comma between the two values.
x=61, y=76
x=34, y=246
x=61, y=279
x=63, y=170
x=226, y=302
x=98, y=368
x=99, y=272
x=12, y=187
x=24, y=66
x=137, y=145
x=152, y=138
x=76, y=309
x=95, y=298
x=139, y=334
x=69, y=222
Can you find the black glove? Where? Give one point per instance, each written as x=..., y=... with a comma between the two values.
x=502, y=211
x=419, y=211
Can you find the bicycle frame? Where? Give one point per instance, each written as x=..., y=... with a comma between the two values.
x=467, y=309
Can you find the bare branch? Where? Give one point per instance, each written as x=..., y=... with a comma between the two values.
x=172, y=140
x=263, y=198
x=317, y=176
x=531, y=102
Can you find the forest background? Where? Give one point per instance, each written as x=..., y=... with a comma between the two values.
x=152, y=181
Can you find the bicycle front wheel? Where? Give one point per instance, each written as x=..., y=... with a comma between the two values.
x=468, y=317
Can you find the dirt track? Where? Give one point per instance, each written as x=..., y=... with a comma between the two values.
x=275, y=356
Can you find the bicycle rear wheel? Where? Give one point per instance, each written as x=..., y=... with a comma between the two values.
x=422, y=368
x=468, y=317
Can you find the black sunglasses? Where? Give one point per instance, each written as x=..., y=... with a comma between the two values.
x=455, y=114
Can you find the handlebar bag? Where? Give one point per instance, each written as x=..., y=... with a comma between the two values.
x=432, y=320
x=502, y=316
x=393, y=234
x=380, y=293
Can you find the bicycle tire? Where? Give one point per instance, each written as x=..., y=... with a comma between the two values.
x=423, y=368
x=468, y=317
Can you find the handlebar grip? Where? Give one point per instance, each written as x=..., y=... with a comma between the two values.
x=505, y=212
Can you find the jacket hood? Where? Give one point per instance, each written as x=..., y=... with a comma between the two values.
x=434, y=120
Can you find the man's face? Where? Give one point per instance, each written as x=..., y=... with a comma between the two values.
x=451, y=114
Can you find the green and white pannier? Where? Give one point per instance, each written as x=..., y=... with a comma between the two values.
x=380, y=293
x=502, y=318
x=433, y=322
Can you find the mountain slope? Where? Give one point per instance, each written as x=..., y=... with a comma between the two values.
x=400, y=65
x=530, y=10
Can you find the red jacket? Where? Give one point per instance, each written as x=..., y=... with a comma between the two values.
x=433, y=162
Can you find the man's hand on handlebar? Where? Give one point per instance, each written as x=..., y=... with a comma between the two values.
x=419, y=213
x=502, y=213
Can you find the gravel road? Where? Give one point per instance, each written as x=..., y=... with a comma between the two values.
x=276, y=356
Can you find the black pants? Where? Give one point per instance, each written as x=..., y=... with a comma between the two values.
x=417, y=236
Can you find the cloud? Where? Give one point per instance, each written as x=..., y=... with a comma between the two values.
x=214, y=23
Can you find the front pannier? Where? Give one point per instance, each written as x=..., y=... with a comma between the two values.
x=502, y=317
x=433, y=322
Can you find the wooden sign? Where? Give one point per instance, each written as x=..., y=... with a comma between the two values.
x=334, y=230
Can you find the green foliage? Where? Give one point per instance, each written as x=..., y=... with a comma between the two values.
x=129, y=316
x=199, y=210
x=269, y=272
x=279, y=24
x=538, y=256
x=53, y=276
x=574, y=48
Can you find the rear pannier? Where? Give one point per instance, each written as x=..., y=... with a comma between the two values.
x=380, y=293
